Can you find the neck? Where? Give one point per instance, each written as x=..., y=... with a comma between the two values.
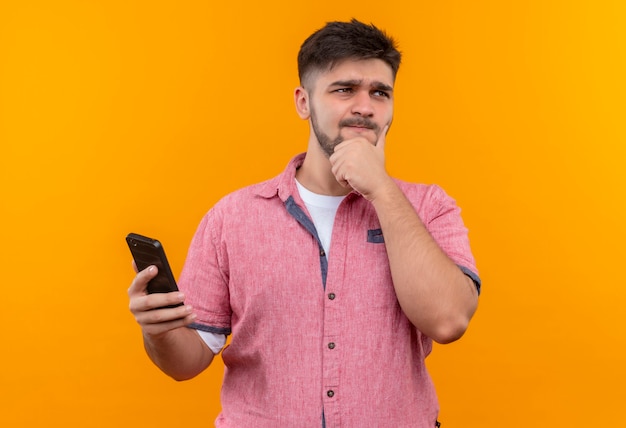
x=315, y=174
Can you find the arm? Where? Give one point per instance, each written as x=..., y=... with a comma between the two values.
x=177, y=350
x=436, y=296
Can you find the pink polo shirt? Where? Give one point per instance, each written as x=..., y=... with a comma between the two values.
x=314, y=340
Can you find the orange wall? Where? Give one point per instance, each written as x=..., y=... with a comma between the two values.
x=119, y=116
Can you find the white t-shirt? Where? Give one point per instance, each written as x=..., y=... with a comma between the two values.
x=322, y=209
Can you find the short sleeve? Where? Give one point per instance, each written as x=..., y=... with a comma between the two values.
x=443, y=220
x=204, y=278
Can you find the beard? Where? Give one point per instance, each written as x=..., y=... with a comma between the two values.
x=328, y=144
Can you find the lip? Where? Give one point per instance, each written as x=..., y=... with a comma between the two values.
x=359, y=128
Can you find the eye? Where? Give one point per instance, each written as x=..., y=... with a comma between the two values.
x=343, y=90
x=378, y=93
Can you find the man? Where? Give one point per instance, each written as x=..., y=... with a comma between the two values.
x=333, y=278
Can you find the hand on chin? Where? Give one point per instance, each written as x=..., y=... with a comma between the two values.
x=353, y=132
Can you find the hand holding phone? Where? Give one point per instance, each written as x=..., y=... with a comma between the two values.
x=147, y=252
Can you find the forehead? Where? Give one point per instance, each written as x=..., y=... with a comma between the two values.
x=366, y=71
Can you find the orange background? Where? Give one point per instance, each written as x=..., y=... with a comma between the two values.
x=119, y=116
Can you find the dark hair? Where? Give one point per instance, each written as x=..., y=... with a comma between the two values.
x=337, y=41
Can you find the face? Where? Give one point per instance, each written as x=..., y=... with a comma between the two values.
x=354, y=99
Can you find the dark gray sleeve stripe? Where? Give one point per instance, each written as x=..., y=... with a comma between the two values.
x=473, y=276
x=210, y=329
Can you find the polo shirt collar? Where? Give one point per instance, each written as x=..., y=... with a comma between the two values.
x=283, y=185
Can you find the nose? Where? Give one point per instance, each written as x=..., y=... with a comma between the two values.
x=362, y=105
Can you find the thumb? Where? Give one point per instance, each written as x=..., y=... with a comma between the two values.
x=380, y=143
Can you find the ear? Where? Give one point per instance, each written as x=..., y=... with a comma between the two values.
x=301, y=97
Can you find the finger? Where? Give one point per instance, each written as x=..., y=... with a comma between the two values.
x=336, y=158
x=135, y=267
x=162, y=320
x=140, y=283
x=342, y=149
x=339, y=170
x=342, y=146
x=148, y=302
x=380, y=144
x=159, y=328
x=161, y=314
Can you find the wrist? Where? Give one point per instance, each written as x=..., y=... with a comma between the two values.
x=385, y=192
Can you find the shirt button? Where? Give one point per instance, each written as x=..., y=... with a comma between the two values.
x=331, y=345
x=330, y=393
x=331, y=296
x=322, y=253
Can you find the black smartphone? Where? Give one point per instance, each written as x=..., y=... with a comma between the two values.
x=146, y=252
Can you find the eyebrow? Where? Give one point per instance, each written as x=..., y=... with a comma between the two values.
x=355, y=82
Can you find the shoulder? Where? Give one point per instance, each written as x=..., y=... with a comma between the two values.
x=244, y=200
x=429, y=200
x=422, y=192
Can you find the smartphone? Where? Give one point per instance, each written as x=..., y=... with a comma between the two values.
x=146, y=252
